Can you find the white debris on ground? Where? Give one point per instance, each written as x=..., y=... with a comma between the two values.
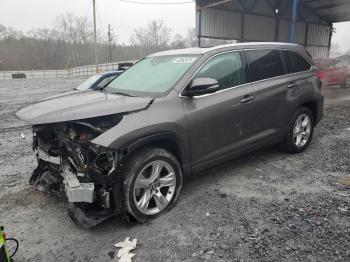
x=124, y=254
x=23, y=136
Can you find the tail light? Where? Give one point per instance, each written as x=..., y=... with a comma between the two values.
x=321, y=75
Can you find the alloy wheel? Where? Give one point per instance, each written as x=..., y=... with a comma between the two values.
x=302, y=130
x=154, y=187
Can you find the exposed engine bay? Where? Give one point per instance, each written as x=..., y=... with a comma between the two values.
x=74, y=136
x=85, y=172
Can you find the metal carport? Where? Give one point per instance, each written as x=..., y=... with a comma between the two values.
x=306, y=22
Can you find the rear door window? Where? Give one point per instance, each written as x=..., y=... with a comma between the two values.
x=226, y=68
x=264, y=64
x=295, y=62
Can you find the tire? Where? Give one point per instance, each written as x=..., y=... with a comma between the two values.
x=142, y=187
x=290, y=143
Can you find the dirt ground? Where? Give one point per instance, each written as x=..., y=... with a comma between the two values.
x=266, y=206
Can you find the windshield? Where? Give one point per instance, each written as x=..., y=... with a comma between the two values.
x=88, y=82
x=152, y=76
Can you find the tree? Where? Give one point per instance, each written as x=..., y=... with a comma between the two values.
x=178, y=42
x=76, y=30
x=335, y=49
x=191, y=37
x=153, y=37
x=2, y=31
x=70, y=43
x=10, y=33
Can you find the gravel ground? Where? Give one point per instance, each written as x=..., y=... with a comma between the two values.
x=266, y=206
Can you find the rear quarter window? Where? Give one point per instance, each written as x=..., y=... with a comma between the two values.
x=295, y=62
x=264, y=64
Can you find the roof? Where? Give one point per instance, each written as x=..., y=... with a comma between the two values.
x=331, y=11
x=201, y=51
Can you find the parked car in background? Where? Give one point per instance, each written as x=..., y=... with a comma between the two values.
x=335, y=71
x=98, y=81
x=125, y=151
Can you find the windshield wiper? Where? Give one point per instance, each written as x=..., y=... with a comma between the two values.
x=123, y=94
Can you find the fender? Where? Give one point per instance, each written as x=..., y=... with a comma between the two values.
x=166, y=137
x=314, y=98
x=150, y=126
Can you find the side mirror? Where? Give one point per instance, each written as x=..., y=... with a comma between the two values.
x=201, y=86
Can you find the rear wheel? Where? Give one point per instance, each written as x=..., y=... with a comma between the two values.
x=300, y=133
x=152, y=183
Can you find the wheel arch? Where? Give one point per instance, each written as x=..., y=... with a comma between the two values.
x=312, y=106
x=314, y=102
x=165, y=140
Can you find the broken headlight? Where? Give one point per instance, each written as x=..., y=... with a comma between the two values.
x=105, y=161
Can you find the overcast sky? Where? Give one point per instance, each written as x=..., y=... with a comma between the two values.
x=124, y=17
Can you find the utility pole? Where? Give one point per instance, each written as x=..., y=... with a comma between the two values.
x=95, y=37
x=109, y=43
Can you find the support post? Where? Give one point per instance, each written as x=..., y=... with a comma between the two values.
x=95, y=37
x=330, y=40
x=294, y=21
x=109, y=43
x=199, y=27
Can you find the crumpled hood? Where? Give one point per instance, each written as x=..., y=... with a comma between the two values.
x=80, y=105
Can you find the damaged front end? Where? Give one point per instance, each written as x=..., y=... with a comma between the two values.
x=85, y=172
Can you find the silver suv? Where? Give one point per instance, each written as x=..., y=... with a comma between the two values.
x=124, y=150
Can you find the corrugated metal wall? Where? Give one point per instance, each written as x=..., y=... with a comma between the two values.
x=259, y=28
x=221, y=24
x=318, y=35
x=217, y=23
x=284, y=31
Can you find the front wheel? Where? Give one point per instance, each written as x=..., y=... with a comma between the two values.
x=300, y=133
x=152, y=183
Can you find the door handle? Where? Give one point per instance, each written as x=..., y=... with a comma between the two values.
x=247, y=99
x=292, y=85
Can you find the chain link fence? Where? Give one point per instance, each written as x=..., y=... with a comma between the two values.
x=82, y=71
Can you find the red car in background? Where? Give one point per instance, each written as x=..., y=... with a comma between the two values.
x=335, y=71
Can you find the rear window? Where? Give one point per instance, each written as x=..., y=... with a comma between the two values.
x=295, y=62
x=264, y=64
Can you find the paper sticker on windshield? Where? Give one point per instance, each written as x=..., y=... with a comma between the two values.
x=184, y=60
